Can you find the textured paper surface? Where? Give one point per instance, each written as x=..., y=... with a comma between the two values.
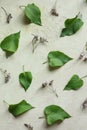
x=12, y=92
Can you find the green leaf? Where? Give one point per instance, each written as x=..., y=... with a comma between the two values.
x=54, y=113
x=33, y=13
x=57, y=59
x=20, y=108
x=71, y=26
x=25, y=79
x=75, y=83
x=10, y=43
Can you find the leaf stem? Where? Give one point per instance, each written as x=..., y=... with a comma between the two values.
x=22, y=6
x=45, y=62
x=5, y=102
x=84, y=77
x=41, y=117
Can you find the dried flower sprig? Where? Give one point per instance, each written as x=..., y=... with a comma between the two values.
x=28, y=126
x=36, y=40
x=83, y=54
x=42, y=40
x=45, y=84
x=8, y=16
x=6, y=75
x=84, y=104
x=50, y=86
x=53, y=10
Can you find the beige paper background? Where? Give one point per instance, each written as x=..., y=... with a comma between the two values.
x=12, y=92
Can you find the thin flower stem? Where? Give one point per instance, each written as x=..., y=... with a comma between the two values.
x=55, y=4
x=54, y=91
x=5, y=11
x=8, y=15
x=33, y=48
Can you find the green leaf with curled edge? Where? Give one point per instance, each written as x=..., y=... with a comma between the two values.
x=20, y=108
x=57, y=59
x=71, y=26
x=75, y=83
x=54, y=114
x=25, y=79
x=33, y=13
x=10, y=43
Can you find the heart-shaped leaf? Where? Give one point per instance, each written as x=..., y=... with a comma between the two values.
x=33, y=14
x=75, y=83
x=57, y=59
x=25, y=79
x=10, y=43
x=54, y=113
x=71, y=26
x=20, y=108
